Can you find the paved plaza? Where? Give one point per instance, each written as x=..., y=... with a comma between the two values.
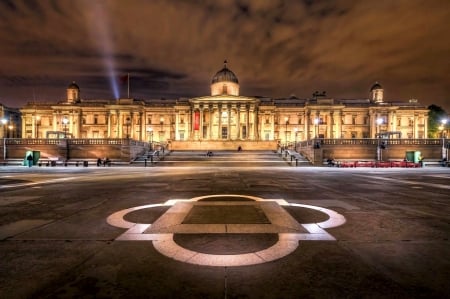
x=218, y=230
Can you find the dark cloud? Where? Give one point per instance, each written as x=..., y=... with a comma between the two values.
x=276, y=48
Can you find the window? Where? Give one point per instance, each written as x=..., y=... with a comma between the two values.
x=205, y=132
x=224, y=89
x=95, y=119
x=224, y=132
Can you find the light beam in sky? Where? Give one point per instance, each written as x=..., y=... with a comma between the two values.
x=101, y=35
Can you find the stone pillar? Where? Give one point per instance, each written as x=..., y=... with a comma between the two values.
x=211, y=112
x=219, y=133
x=247, y=121
x=307, y=123
x=416, y=126
x=329, y=125
x=201, y=123
x=108, y=123
x=131, y=127
x=71, y=125
x=229, y=122
x=191, y=124
x=373, y=124
x=238, y=121
x=55, y=122
x=143, y=127
x=120, y=125
x=393, y=125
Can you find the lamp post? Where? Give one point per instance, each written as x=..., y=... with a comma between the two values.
x=65, y=121
x=38, y=123
x=150, y=132
x=4, y=122
x=316, y=126
x=379, y=122
x=441, y=128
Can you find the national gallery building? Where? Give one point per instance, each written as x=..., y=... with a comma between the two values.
x=225, y=116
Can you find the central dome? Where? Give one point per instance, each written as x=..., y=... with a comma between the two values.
x=224, y=75
x=225, y=82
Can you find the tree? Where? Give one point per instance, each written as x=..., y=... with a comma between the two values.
x=435, y=117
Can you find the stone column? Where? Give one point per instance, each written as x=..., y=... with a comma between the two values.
x=339, y=124
x=143, y=127
x=238, y=121
x=131, y=127
x=373, y=124
x=108, y=123
x=201, y=123
x=307, y=123
x=329, y=125
x=55, y=122
x=229, y=122
x=120, y=125
x=210, y=115
x=219, y=133
x=247, y=121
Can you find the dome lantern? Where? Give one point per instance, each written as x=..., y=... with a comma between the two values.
x=73, y=93
x=376, y=93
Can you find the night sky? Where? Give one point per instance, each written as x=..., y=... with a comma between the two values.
x=276, y=48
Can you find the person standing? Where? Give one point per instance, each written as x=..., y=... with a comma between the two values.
x=30, y=160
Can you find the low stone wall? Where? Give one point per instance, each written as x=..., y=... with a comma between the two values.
x=223, y=145
x=74, y=149
x=366, y=149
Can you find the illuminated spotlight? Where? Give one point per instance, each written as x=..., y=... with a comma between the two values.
x=289, y=231
x=102, y=36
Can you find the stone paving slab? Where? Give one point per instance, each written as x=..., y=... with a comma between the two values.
x=394, y=242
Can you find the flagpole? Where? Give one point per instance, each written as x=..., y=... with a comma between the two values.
x=128, y=85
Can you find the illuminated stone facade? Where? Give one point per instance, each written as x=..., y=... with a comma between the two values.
x=225, y=115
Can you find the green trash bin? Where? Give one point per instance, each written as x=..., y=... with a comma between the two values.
x=410, y=156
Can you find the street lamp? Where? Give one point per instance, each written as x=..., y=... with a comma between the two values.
x=316, y=126
x=379, y=122
x=4, y=121
x=441, y=128
x=286, y=121
x=65, y=121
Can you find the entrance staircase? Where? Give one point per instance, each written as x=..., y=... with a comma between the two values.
x=223, y=158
